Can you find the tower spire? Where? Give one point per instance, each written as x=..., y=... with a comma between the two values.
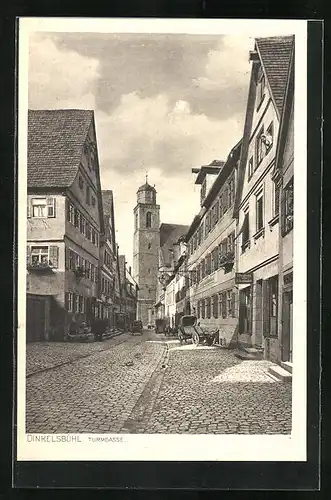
x=146, y=177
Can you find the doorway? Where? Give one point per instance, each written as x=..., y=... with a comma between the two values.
x=35, y=318
x=288, y=326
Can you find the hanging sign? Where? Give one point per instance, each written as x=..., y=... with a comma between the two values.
x=244, y=278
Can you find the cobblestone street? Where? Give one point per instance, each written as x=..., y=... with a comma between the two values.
x=150, y=384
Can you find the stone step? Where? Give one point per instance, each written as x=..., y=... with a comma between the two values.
x=243, y=354
x=287, y=365
x=281, y=374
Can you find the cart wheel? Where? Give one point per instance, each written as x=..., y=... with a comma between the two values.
x=209, y=341
x=195, y=338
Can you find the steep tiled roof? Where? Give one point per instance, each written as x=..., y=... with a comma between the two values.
x=107, y=201
x=169, y=235
x=55, y=145
x=275, y=54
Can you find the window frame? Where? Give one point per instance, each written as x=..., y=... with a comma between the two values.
x=259, y=148
x=259, y=224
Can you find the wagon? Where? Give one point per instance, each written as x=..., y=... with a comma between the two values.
x=189, y=330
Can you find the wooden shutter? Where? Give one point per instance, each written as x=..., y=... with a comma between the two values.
x=265, y=306
x=68, y=209
x=66, y=257
x=233, y=304
x=28, y=207
x=28, y=255
x=54, y=255
x=50, y=207
x=224, y=305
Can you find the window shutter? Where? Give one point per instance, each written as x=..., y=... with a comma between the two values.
x=233, y=304
x=223, y=305
x=66, y=253
x=66, y=301
x=68, y=209
x=54, y=255
x=28, y=255
x=265, y=308
x=28, y=207
x=50, y=207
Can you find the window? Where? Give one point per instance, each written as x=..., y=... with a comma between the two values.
x=250, y=167
x=259, y=148
x=43, y=207
x=80, y=303
x=222, y=304
x=88, y=231
x=148, y=219
x=215, y=259
x=81, y=182
x=93, y=236
x=229, y=302
x=259, y=212
x=45, y=255
x=203, y=308
x=245, y=231
x=273, y=304
x=222, y=248
x=93, y=201
x=69, y=301
x=76, y=218
x=230, y=242
x=76, y=303
x=269, y=137
x=217, y=211
x=225, y=199
x=208, y=264
x=221, y=204
x=287, y=208
x=231, y=191
x=215, y=306
x=39, y=255
x=70, y=212
x=203, y=269
x=208, y=307
x=276, y=199
x=88, y=195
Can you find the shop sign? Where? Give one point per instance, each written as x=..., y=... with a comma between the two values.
x=244, y=278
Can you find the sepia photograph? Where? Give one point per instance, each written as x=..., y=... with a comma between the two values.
x=160, y=239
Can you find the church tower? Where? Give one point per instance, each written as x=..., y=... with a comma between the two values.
x=146, y=244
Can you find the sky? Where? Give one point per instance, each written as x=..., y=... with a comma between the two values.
x=163, y=105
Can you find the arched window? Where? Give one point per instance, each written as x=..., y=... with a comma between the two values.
x=148, y=219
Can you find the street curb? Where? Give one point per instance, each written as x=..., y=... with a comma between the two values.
x=82, y=356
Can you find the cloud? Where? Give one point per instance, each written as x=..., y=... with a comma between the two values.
x=227, y=65
x=60, y=78
x=167, y=122
x=154, y=133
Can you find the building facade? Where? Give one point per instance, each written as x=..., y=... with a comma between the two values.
x=146, y=244
x=211, y=254
x=284, y=178
x=64, y=222
x=257, y=201
x=107, y=263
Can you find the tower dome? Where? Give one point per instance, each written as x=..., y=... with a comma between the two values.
x=146, y=193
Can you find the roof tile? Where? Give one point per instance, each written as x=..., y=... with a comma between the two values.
x=55, y=145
